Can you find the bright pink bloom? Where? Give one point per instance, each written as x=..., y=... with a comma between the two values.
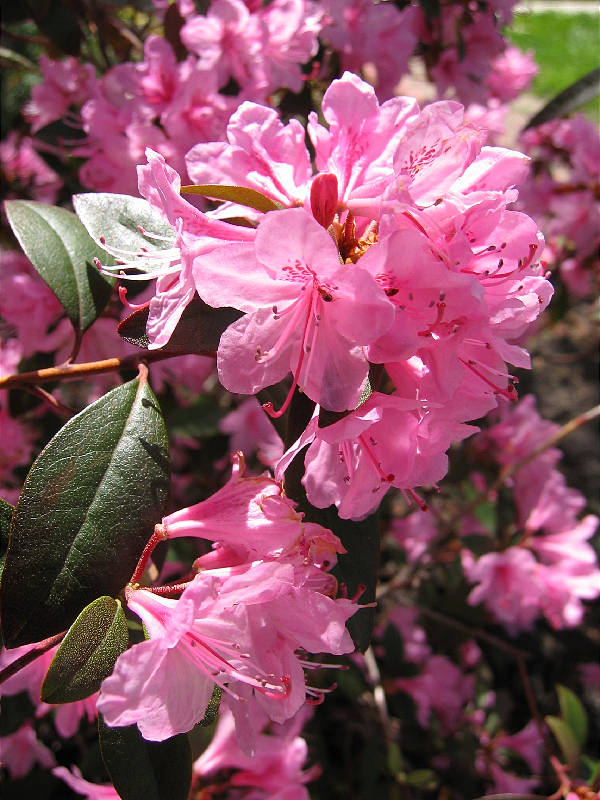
x=368, y=34
x=307, y=313
x=164, y=683
x=229, y=42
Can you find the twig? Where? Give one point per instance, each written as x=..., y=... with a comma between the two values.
x=379, y=694
x=55, y=405
x=68, y=371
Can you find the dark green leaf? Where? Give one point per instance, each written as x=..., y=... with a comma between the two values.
x=573, y=713
x=357, y=568
x=62, y=253
x=569, y=100
x=87, y=509
x=88, y=652
x=566, y=740
x=234, y=194
x=6, y=512
x=198, y=331
x=212, y=710
x=142, y=770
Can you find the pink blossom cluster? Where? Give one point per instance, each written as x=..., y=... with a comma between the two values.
x=261, y=600
x=444, y=692
x=553, y=567
x=562, y=193
x=167, y=104
x=401, y=251
x=20, y=750
x=463, y=44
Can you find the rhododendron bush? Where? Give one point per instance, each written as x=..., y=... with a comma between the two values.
x=280, y=516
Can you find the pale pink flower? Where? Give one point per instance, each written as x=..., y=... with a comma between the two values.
x=91, y=791
x=273, y=771
x=28, y=304
x=65, y=83
x=26, y=170
x=250, y=431
x=19, y=752
x=441, y=688
x=512, y=72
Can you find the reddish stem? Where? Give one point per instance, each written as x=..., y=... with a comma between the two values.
x=160, y=535
x=39, y=649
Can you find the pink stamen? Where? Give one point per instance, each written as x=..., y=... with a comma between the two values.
x=125, y=301
x=268, y=407
x=509, y=393
x=369, y=450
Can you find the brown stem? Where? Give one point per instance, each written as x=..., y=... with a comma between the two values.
x=55, y=405
x=160, y=535
x=39, y=649
x=68, y=371
x=565, y=430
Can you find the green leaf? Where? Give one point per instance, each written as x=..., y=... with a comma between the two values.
x=88, y=652
x=62, y=253
x=87, y=509
x=142, y=770
x=357, y=568
x=198, y=331
x=234, y=194
x=212, y=710
x=566, y=740
x=573, y=713
x=113, y=222
x=6, y=512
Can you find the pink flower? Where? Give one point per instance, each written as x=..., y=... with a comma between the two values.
x=250, y=430
x=365, y=33
x=442, y=688
x=274, y=770
x=164, y=683
x=19, y=752
x=229, y=42
x=23, y=167
x=512, y=72
x=64, y=83
x=307, y=313
x=91, y=791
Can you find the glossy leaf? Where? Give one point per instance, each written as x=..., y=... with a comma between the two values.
x=142, y=770
x=88, y=652
x=573, y=713
x=88, y=507
x=62, y=253
x=212, y=709
x=569, y=100
x=114, y=221
x=357, y=568
x=234, y=194
x=6, y=512
x=566, y=740
x=198, y=331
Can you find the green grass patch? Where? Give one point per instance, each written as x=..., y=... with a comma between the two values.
x=566, y=47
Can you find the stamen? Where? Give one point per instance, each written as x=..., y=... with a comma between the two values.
x=268, y=407
x=369, y=450
x=509, y=393
x=125, y=301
